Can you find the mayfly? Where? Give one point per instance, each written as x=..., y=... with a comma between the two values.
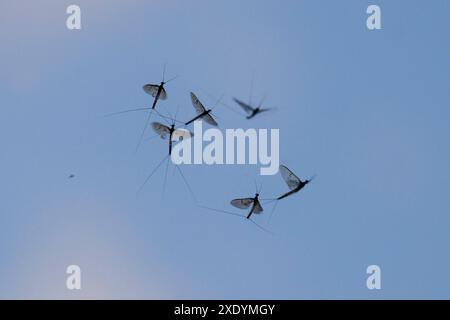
x=245, y=203
x=294, y=183
x=172, y=134
x=202, y=113
x=251, y=111
x=158, y=92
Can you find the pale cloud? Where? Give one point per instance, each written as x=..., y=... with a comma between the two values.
x=96, y=238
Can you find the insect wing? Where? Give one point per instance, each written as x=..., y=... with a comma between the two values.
x=152, y=89
x=289, y=177
x=199, y=108
x=163, y=94
x=257, y=208
x=162, y=130
x=244, y=106
x=242, y=203
x=209, y=119
x=264, y=110
x=181, y=134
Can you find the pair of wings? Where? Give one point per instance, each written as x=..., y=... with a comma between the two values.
x=152, y=89
x=164, y=132
x=200, y=109
x=289, y=177
x=247, y=202
x=247, y=108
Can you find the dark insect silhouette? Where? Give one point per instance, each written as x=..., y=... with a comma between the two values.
x=245, y=203
x=294, y=183
x=171, y=133
x=251, y=111
x=202, y=113
x=71, y=176
x=158, y=92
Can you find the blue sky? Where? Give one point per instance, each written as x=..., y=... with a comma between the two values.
x=367, y=111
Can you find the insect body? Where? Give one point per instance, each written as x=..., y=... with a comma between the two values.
x=245, y=203
x=251, y=111
x=202, y=113
x=166, y=132
x=172, y=134
x=156, y=91
x=294, y=183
